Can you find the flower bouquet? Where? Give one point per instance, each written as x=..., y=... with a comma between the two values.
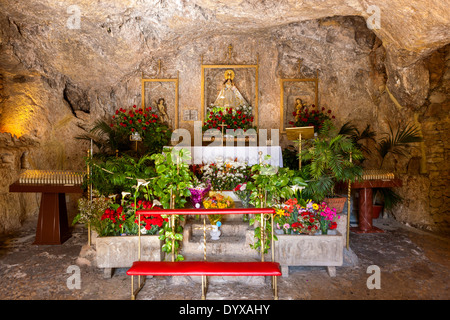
x=295, y=218
x=240, y=117
x=217, y=201
x=244, y=195
x=312, y=116
x=327, y=216
x=198, y=193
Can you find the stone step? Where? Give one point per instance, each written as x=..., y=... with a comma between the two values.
x=225, y=218
x=230, y=245
x=228, y=228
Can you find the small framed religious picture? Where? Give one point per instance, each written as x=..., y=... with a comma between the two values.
x=186, y=115
x=194, y=115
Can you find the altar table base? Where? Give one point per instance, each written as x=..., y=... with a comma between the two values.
x=366, y=203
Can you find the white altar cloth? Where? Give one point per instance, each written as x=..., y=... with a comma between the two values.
x=210, y=154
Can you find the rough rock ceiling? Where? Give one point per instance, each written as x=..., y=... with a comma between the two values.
x=116, y=37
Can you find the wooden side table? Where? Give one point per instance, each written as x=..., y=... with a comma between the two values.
x=366, y=202
x=52, y=226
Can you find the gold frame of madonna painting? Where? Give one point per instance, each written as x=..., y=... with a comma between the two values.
x=284, y=108
x=176, y=82
x=229, y=73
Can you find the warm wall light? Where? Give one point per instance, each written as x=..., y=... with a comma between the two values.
x=17, y=120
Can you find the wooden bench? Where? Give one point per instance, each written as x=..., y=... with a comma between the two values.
x=205, y=268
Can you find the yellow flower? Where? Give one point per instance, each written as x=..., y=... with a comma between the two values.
x=279, y=212
x=315, y=206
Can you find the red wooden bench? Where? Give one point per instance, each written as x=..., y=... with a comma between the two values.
x=205, y=268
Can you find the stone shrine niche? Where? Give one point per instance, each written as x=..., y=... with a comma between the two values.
x=244, y=79
x=295, y=92
x=162, y=96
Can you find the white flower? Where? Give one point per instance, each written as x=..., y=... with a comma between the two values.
x=142, y=182
x=297, y=187
x=156, y=203
x=124, y=194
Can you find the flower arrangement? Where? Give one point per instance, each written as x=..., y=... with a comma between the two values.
x=113, y=221
x=154, y=133
x=305, y=218
x=120, y=219
x=150, y=223
x=90, y=211
x=135, y=120
x=243, y=193
x=198, y=192
x=311, y=116
x=327, y=216
x=225, y=175
x=240, y=117
x=217, y=201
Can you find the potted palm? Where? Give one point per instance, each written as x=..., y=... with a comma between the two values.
x=395, y=143
x=329, y=159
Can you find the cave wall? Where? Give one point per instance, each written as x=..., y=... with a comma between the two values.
x=47, y=104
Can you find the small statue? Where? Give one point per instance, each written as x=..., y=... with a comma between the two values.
x=229, y=96
x=299, y=107
x=161, y=106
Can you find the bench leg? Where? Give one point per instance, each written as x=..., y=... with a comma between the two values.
x=204, y=287
x=275, y=289
x=140, y=285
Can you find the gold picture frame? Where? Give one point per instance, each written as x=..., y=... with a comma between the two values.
x=230, y=66
x=175, y=81
x=315, y=81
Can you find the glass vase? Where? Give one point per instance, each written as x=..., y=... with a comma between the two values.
x=245, y=200
x=324, y=226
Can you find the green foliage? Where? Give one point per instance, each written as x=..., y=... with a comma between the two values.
x=396, y=142
x=327, y=159
x=367, y=135
x=113, y=175
x=267, y=234
x=114, y=136
x=173, y=178
x=269, y=186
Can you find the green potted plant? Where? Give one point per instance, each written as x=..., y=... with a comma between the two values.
x=113, y=136
x=171, y=187
x=329, y=158
x=269, y=186
x=394, y=143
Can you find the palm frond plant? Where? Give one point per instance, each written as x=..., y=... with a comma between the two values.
x=367, y=135
x=328, y=161
x=112, y=175
x=394, y=143
x=106, y=139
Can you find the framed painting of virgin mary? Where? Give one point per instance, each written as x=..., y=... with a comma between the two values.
x=229, y=86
